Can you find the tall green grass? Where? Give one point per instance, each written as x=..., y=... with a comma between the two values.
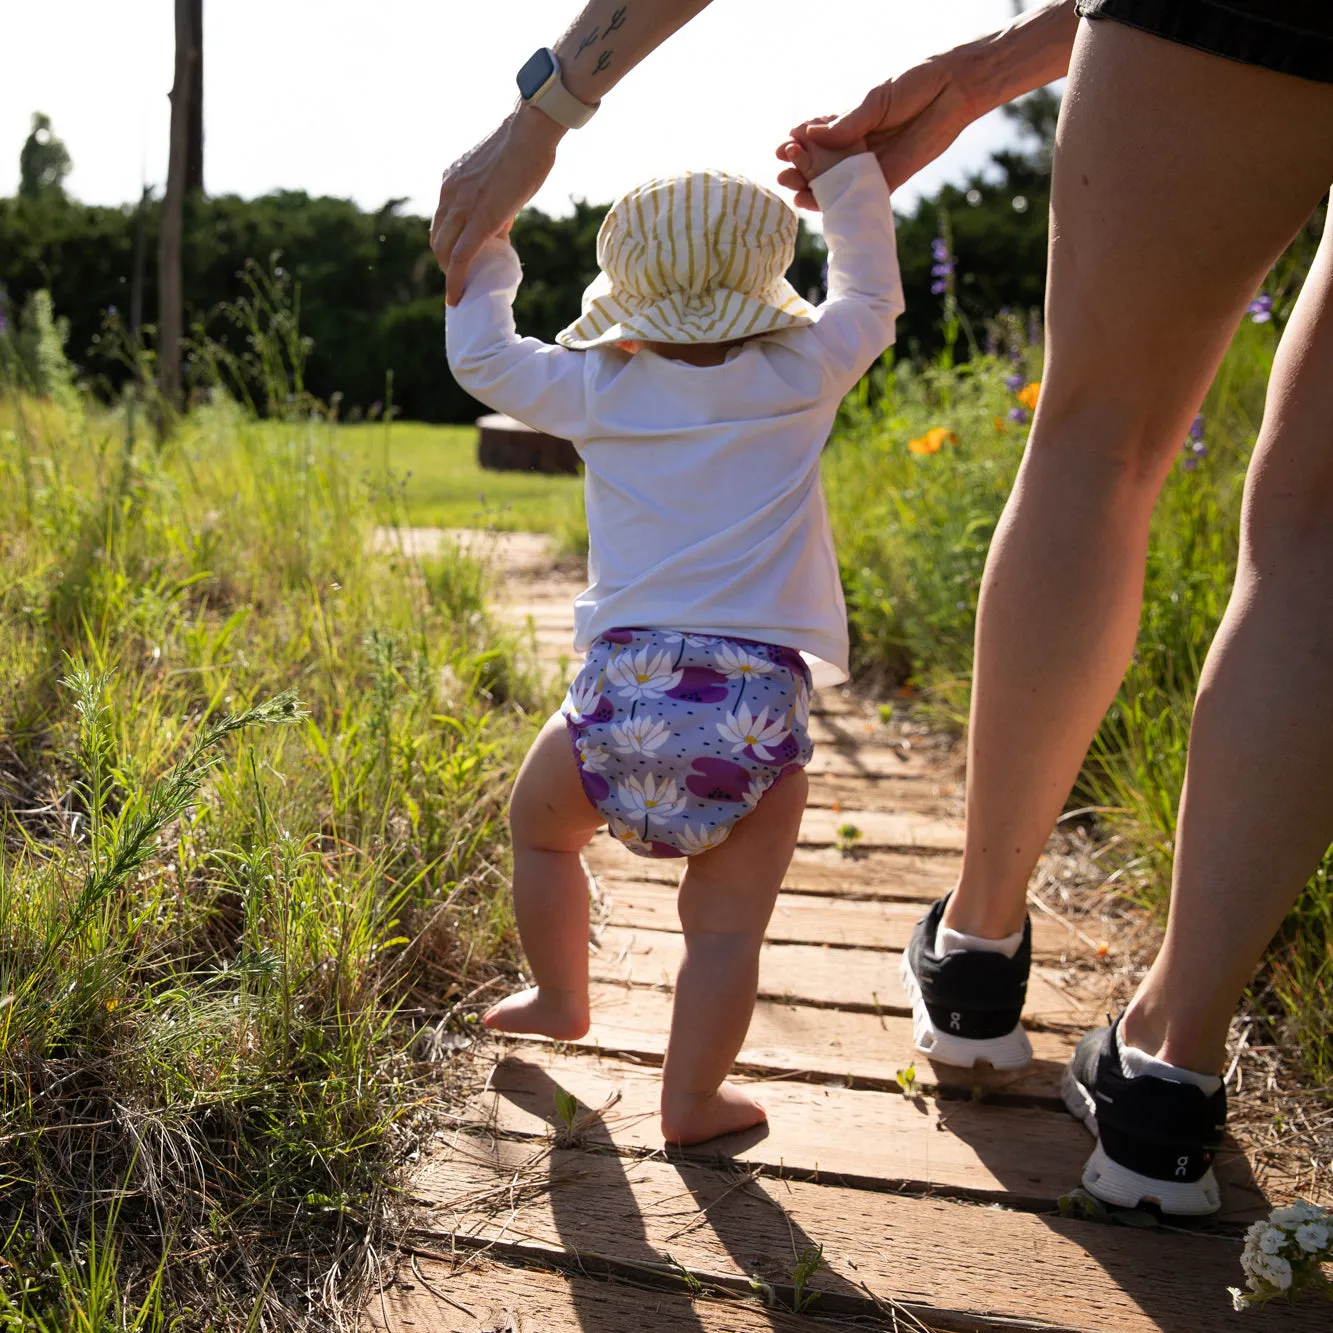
x=913, y=530
x=251, y=852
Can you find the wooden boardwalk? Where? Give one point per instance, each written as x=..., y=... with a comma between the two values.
x=935, y=1210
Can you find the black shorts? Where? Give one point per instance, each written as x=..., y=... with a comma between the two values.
x=1290, y=36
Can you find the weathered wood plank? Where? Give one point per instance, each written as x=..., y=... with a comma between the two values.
x=902, y=876
x=865, y=1049
x=955, y=1264
x=1018, y=1155
x=801, y=918
x=806, y=974
x=486, y=1297
x=908, y=794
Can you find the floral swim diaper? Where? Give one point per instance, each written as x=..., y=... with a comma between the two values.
x=677, y=736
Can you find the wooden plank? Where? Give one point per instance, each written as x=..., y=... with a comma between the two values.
x=808, y=974
x=913, y=793
x=487, y=1297
x=957, y=1265
x=865, y=1049
x=1017, y=1155
x=881, y=828
x=801, y=918
x=889, y=876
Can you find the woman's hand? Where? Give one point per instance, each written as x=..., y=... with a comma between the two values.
x=907, y=123
x=486, y=187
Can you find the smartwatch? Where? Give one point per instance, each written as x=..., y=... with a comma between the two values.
x=539, y=84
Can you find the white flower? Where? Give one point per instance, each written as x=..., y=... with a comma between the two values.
x=1238, y=1301
x=1298, y=1212
x=801, y=712
x=736, y=664
x=581, y=699
x=743, y=728
x=1277, y=1270
x=595, y=761
x=692, y=841
x=639, y=735
x=628, y=835
x=1271, y=1240
x=753, y=792
x=694, y=640
x=1312, y=1237
x=636, y=676
x=658, y=798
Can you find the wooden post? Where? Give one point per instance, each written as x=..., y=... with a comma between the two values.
x=170, y=297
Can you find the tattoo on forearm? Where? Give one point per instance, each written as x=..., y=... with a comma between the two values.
x=603, y=61
x=617, y=21
x=586, y=43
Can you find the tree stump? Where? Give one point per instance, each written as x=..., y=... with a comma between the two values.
x=506, y=445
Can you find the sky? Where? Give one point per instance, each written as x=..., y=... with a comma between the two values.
x=370, y=101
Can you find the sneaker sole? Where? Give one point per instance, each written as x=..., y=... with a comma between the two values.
x=1117, y=1185
x=1012, y=1051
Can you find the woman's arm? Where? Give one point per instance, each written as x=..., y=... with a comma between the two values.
x=909, y=121
x=483, y=190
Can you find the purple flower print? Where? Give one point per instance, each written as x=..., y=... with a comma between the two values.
x=700, y=685
x=619, y=636
x=718, y=780
x=595, y=786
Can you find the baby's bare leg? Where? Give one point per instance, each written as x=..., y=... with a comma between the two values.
x=726, y=898
x=551, y=821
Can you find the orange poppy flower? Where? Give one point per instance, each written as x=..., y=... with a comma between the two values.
x=999, y=424
x=1028, y=396
x=932, y=440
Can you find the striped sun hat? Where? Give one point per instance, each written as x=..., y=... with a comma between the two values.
x=692, y=259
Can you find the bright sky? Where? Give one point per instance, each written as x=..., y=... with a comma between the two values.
x=372, y=101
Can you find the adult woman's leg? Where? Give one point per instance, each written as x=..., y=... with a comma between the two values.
x=1179, y=178
x=1257, y=812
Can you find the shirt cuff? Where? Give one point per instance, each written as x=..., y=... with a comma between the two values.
x=495, y=269
x=829, y=187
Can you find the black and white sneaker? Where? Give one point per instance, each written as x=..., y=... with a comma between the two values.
x=1155, y=1138
x=967, y=1006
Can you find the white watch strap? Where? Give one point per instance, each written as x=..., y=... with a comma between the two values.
x=561, y=105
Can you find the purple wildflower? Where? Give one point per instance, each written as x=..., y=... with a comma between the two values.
x=939, y=287
x=992, y=342
x=1017, y=414
x=941, y=270
x=1190, y=463
x=4, y=312
x=939, y=249
x=1196, y=428
x=1260, y=310
x=1015, y=382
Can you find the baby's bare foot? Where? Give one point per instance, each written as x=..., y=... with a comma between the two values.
x=557, y=1014
x=687, y=1118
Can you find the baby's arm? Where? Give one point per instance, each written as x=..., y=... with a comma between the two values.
x=539, y=384
x=865, y=297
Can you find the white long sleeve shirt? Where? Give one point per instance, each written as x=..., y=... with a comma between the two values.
x=705, y=509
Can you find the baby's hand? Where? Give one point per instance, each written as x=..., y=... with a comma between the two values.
x=809, y=158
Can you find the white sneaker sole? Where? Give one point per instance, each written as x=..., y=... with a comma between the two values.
x=1122, y=1188
x=1012, y=1051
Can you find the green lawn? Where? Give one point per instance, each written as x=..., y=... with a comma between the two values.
x=434, y=471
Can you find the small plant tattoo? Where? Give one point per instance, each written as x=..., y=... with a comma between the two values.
x=603, y=61
x=586, y=43
x=617, y=21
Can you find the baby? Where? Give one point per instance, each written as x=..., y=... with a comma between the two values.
x=698, y=388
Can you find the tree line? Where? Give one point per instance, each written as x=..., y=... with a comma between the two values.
x=371, y=298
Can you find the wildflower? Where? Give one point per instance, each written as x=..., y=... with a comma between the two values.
x=939, y=249
x=942, y=269
x=4, y=312
x=745, y=730
x=658, y=799
x=1260, y=310
x=1196, y=427
x=637, y=676
x=932, y=441
x=1016, y=414
x=1285, y=1254
x=639, y=735
x=1014, y=382
x=1313, y=1236
x=735, y=663
x=1028, y=396
x=998, y=423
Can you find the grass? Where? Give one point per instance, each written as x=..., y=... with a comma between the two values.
x=435, y=468
x=252, y=857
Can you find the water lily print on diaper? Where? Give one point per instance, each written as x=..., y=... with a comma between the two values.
x=677, y=736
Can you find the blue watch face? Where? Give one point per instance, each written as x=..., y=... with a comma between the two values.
x=535, y=73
